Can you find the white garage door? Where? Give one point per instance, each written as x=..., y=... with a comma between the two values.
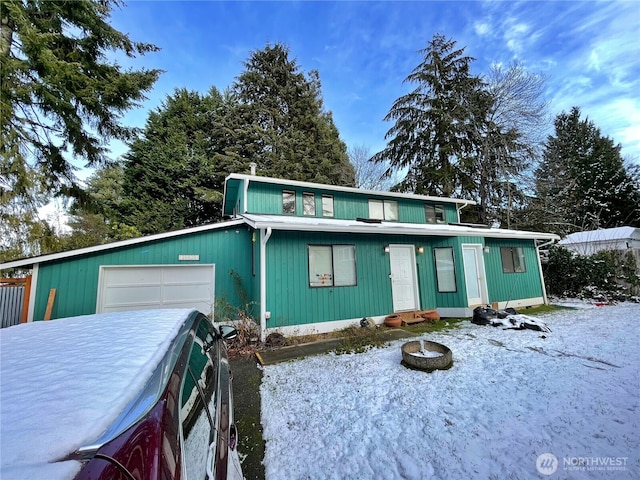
x=140, y=287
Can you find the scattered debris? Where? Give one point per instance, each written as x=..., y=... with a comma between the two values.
x=275, y=339
x=368, y=322
x=508, y=318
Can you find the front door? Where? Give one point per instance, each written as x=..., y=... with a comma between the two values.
x=404, y=279
x=474, y=275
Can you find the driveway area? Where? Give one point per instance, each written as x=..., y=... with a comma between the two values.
x=516, y=404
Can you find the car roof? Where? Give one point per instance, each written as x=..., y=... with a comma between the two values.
x=65, y=382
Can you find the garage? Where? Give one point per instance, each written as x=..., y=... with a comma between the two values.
x=139, y=287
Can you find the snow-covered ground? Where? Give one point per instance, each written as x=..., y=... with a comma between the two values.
x=515, y=405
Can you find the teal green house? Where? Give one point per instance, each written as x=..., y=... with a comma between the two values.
x=307, y=258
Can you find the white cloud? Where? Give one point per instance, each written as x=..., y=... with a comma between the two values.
x=482, y=28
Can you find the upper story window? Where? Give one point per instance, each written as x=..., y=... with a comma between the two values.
x=434, y=213
x=383, y=210
x=288, y=202
x=512, y=259
x=327, y=205
x=308, y=204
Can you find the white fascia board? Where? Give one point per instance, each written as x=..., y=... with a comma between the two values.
x=337, y=188
x=387, y=228
x=123, y=243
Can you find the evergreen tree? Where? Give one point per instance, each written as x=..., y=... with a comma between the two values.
x=22, y=232
x=59, y=97
x=494, y=165
x=95, y=219
x=583, y=182
x=280, y=123
x=172, y=175
x=432, y=134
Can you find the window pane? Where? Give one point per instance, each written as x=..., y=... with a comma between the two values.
x=507, y=259
x=376, y=209
x=309, y=204
x=430, y=212
x=289, y=202
x=320, y=271
x=327, y=206
x=390, y=210
x=445, y=269
x=518, y=260
x=344, y=265
x=439, y=213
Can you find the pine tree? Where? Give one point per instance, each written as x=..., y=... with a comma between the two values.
x=281, y=125
x=583, y=182
x=59, y=96
x=432, y=136
x=95, y=218
x=172, y=175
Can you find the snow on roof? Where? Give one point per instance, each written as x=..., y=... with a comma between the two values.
x=283, y=222
x=604, y=235
x=65, y=381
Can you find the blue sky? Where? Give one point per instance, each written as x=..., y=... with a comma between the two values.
x=588, y=51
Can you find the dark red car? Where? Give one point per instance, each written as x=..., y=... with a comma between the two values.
x=150, y=397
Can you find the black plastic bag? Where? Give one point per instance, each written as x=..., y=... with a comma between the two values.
x=483, y=315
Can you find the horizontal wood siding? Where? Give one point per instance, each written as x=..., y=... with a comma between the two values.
x=76, y=279
x=291, y=301
x=512, y=286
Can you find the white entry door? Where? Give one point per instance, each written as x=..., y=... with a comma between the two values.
x=404, y=279
x=474, y=275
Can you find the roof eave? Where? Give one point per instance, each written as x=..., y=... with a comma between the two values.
x=339, y=188
x=29, y=262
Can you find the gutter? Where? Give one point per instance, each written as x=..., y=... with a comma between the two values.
x=385, y=228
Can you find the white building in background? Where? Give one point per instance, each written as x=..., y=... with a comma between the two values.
x=588, y=243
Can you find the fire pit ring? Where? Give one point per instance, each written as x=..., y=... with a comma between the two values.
x=426, y=355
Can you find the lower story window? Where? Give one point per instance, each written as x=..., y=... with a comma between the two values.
x=512, y=259
x=445, y=269
x=332, y=265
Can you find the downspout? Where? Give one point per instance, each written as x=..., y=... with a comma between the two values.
x=460, y=206
x=32, y=294
x=264, y=238
x=544, y=287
